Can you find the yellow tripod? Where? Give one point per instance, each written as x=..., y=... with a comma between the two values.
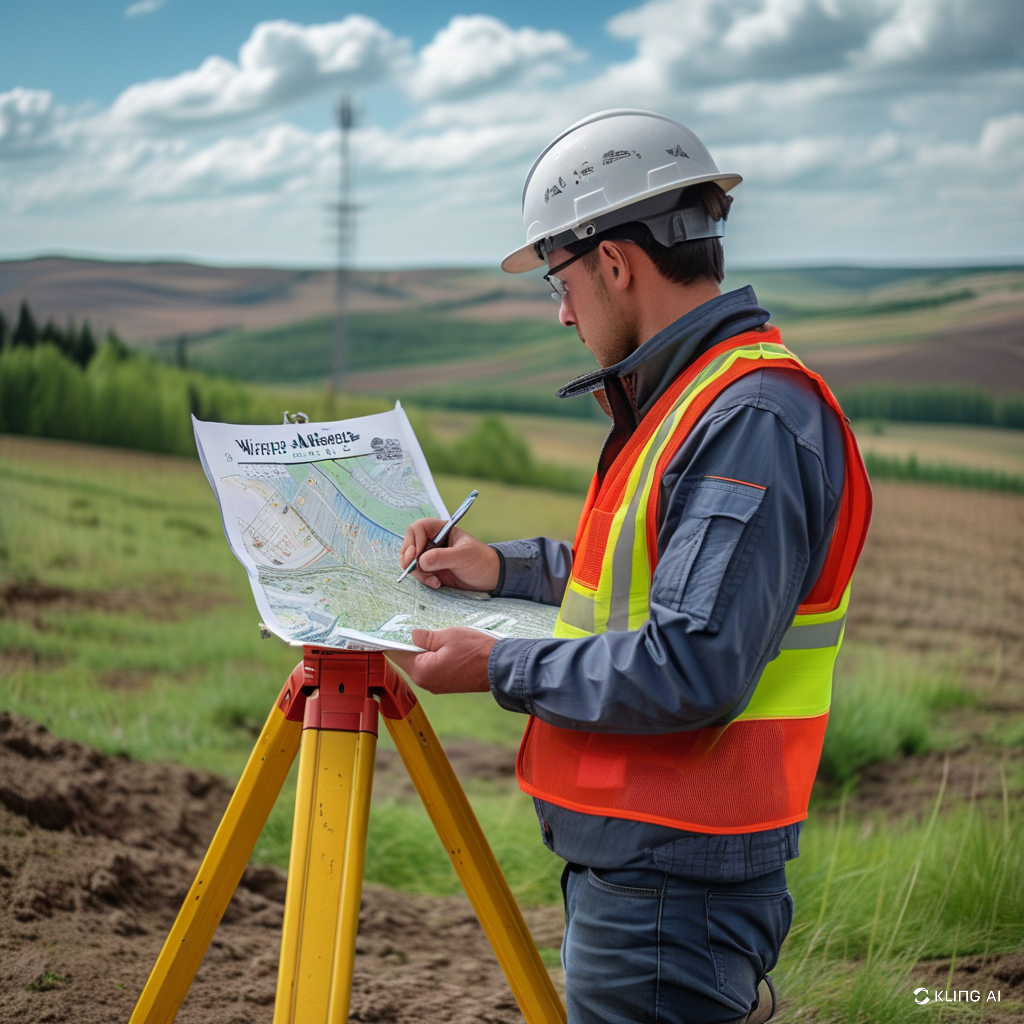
x=328, y=711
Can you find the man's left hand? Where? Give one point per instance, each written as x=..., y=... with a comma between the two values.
x=453, y=660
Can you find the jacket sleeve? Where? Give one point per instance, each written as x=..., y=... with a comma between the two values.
x=537, y=570
x=749, y=503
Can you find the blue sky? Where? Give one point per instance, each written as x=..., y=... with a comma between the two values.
x=868, y=131
x=88, y=53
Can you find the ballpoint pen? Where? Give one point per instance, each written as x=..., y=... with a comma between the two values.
x=442, y=534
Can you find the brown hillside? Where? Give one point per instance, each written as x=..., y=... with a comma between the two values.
x=988, y=354
x=147, y=301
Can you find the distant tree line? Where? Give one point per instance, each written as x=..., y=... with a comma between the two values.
x=122, y=398
x=118, y=399
x=77, y=343
x=933, y=403
x=894, y=468
x=61, y=384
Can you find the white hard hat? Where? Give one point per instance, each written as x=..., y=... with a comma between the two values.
x=610, y=168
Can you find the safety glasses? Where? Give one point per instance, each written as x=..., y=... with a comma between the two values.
x=558, y=286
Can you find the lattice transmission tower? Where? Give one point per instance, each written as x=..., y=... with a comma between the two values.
x=346, y=227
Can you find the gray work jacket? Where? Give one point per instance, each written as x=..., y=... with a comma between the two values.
x=696, y=661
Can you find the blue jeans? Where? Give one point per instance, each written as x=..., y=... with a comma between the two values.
x=641, y=945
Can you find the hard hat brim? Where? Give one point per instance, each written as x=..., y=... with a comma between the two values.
x=522, y=260
x=525, y=258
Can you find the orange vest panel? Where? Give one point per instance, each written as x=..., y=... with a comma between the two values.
x=755, y=773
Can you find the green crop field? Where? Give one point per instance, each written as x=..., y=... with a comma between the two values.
x=127, y=624
x=303, y=351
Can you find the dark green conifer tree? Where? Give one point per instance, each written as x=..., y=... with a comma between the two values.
x=3, y=332
x=85, y=345
x=26, y=332
x=53, y=335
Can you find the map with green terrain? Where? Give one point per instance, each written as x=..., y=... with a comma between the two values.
x=319, y=525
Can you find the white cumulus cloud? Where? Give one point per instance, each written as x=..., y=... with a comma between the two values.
x=278, y=64
x=26, y=121
x=688, y=42
x=476, y=53
x=948, y=35
x=702, y=41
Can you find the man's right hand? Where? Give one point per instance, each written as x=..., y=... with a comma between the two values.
x=465, y=563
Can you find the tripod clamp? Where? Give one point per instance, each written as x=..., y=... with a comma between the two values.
x=340, y=690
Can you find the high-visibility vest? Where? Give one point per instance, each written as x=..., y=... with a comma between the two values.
x=755, y=772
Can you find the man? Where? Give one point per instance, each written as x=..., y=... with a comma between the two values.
x=677, y=716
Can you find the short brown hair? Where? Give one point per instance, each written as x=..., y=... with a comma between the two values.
x=684, y=262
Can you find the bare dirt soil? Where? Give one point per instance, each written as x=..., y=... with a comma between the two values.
x=941, y=580
x=909, y=786
x=96, y=854
x=26, y=598
x=1001, y=975
x=942, y=573
x=989, y=356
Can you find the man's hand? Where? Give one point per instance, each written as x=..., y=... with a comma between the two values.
x=452, y=661
x=465, y=563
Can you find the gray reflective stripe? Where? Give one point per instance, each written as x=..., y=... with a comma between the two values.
x=622, y=556
x=806, y=638
x=578, y=610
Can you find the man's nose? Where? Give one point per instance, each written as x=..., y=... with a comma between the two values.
x=566, y=317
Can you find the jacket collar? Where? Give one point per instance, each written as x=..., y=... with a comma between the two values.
x=649, y=370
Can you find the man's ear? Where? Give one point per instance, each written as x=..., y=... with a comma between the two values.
x=615, y=264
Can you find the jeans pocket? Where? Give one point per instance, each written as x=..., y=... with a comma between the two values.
x=745, y=934
x=623, y=886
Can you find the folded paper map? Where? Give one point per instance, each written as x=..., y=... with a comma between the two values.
x=316, y=513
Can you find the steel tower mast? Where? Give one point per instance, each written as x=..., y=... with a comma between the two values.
x=346, y=239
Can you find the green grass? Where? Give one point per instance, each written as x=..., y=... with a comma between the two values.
x=874, y=900
x=176, y=671
x=46, y=982
x=882, y=709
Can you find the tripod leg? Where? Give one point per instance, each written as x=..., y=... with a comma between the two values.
x=474, y=862
x=325, y=873
x=221, y=869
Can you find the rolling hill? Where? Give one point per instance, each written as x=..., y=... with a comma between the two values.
x=478, y=338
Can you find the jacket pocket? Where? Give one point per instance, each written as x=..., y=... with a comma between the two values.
x=693, y=567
